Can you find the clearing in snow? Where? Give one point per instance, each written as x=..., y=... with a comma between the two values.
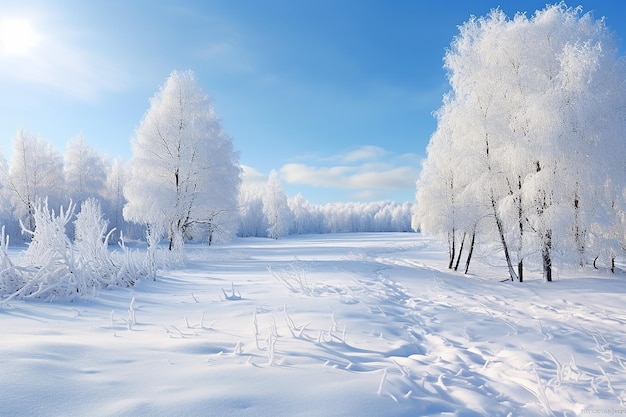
x=344, y=324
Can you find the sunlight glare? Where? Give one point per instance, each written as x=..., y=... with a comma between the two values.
x=17, y=36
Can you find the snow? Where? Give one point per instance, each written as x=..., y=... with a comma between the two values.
x=310, y=325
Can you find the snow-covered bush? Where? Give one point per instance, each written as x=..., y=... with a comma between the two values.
x=51, y=267
x=92, y=245
x=55, y=267
x=10, y=277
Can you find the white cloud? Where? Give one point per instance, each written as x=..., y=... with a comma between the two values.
x=372, y=168
x=391, y=178
x=316, y=176
x=366, y=152
x=252, y=177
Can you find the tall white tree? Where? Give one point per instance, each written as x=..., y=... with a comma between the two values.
x=85, y=170
x=276, y=208
x=35, y=173
x=183, y=166
x=113, y=195
x=252, y=221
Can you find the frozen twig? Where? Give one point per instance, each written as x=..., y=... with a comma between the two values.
x=271, y=342
x=382, y=382
x=256, y=330
x=232, y=296
x=131, y=314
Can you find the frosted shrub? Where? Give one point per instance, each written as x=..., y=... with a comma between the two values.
x=54, y=267
x=48, y=239
x=51, y=265
x=11, y=278
x=294, y=278
x=92, y=244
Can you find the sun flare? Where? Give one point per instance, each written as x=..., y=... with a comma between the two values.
x=17, y=36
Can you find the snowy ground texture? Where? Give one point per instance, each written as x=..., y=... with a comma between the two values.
x=325, y=325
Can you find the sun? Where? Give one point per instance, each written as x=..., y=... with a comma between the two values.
x=17, y=36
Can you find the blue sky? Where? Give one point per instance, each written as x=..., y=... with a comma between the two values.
x=337, y=96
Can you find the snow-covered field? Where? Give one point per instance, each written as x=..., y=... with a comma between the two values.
x=324, y=325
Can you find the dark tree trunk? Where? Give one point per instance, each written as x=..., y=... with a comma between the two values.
x=451, y=248
x=546, y=256
x=505, y=247
x=458, y=258
x=613, y=264
x=520, y=218
x=471, y=251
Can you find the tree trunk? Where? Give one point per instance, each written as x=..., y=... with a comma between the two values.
x=520, y=219
x=458, y=258
x=505, y=247
x=471, y=250
x=451, y=248
x=613, y=264
x=546, y=256
x=579, y=232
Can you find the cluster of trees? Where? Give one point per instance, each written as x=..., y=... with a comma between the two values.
x=527, y=154
x=268, y=212
x=183, y=177
x=37, y=172
x=183, y=182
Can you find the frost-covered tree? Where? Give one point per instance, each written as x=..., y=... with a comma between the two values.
x=85, y=170
x=439, y=209
x=35, y=172
x=183, y=166
x=276, y=208
x=307, y=218
x=252, y=221
x=536, y=108
x=113, y=196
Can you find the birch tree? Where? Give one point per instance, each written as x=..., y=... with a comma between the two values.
x=183, y=166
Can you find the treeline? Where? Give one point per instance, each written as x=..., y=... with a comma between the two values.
x=37, y=172
x=268, y=212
